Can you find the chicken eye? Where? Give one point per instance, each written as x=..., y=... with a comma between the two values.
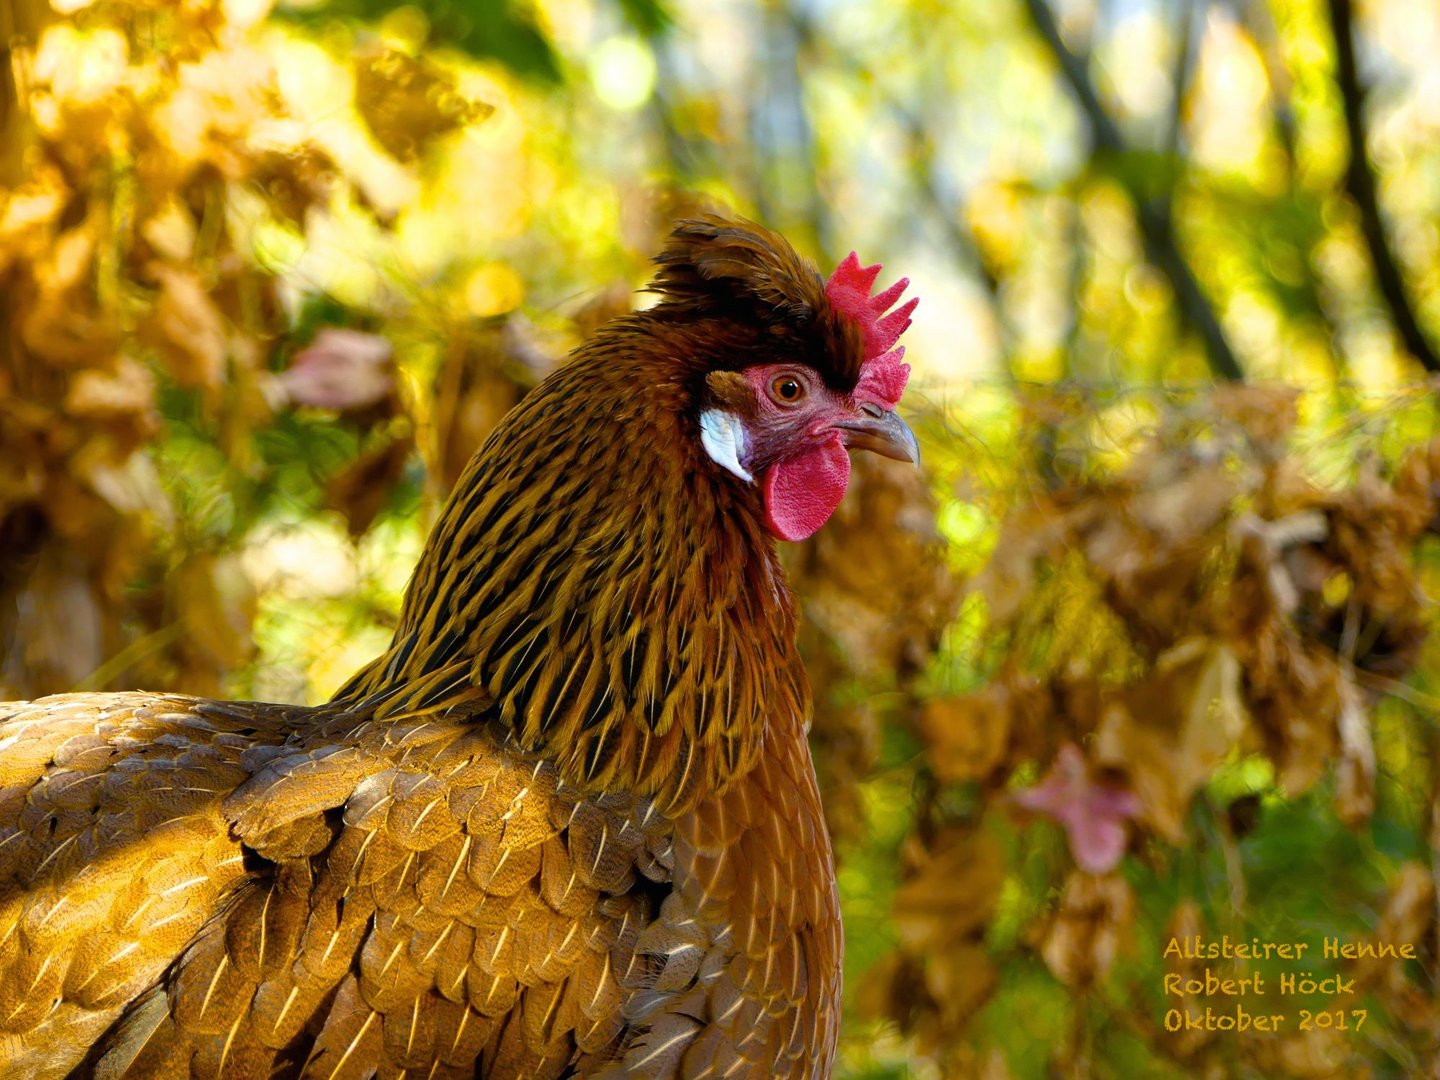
x=787, y=389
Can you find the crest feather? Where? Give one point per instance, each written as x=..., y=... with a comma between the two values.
x=734, y=269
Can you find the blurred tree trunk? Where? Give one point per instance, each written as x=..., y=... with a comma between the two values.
x=20, y=24
x=1363, y=188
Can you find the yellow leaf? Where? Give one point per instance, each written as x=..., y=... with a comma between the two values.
x=951, y=893
x=1169, y=732
x=1089, y=930
x=189, y=329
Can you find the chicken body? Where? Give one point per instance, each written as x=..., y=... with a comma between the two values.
x=208, y=889
x=566, y=826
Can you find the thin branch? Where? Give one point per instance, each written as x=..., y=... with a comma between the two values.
x=1426, y=706
x=680, y=155
x=1156, y=223
x=1180, y=75
x=1360, y=183
x=142, y=647
x=944, y=212
x=1259, y=23
x=800, y=46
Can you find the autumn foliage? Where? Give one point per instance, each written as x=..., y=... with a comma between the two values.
x=1175, y=641
x=1076, y=692
x=164, y=164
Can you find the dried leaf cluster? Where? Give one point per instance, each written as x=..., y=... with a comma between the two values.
x=876, y=598
x=159, y=167
x=1203, y=605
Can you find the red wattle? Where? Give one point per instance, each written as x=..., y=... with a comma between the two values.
x=802, y=492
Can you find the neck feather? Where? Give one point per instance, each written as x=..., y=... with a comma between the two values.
x=600, y=590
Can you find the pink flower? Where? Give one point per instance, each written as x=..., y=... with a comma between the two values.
x=340, y=369
x=1093, y=813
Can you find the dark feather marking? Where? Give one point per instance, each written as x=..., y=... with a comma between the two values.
x=552, y=547
x=400, y=655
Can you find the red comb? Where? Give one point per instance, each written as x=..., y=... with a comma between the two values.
x=882, y=375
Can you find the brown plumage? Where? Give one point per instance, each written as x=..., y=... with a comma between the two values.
x=566, y=825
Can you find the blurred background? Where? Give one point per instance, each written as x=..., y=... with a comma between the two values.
x=1143, y=653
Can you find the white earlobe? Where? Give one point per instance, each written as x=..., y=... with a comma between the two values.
x=723, y=437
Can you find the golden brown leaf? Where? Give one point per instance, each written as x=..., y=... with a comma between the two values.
x=967, y=736
x=1170, y=731
x=407, y=101
x=360, y=490
x=216, y=605
x=950, y=892
x=188, y=329
x=1090, y=929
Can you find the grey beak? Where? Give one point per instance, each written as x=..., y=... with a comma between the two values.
x=882, y=433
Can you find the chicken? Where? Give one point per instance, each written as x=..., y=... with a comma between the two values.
x=567, y=825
